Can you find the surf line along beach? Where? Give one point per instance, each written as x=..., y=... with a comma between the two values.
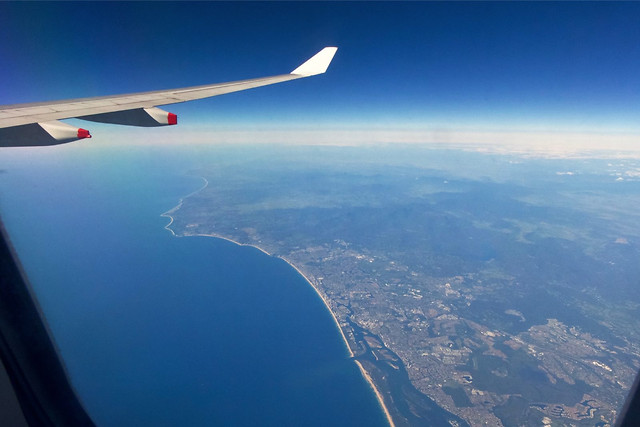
x=365, y=374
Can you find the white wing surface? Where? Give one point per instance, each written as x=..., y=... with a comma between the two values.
x=37, y=123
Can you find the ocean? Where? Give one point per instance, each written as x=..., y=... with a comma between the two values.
x=160, y=330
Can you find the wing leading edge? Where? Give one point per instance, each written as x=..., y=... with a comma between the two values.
x=37, y=123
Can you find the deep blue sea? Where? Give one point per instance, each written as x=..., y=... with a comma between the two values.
x=157, y=330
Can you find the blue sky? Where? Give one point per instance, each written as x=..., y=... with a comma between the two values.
x=460, y=66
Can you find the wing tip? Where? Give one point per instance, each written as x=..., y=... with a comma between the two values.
x=317, y=64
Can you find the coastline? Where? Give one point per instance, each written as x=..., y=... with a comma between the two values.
x=364, y=373
x=168, y=213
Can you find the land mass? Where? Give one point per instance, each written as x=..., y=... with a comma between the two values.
x=464, y=300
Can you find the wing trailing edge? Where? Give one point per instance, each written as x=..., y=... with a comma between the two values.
x=45, y=133
x=144, y=117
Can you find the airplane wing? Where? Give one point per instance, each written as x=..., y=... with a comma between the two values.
x=37, y=124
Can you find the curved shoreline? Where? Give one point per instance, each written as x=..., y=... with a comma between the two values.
x=364, y=373
x=168, y=213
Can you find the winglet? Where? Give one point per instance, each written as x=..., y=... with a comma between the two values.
x=317, y=64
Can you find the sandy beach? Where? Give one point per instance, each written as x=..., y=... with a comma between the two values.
x=366, y=375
